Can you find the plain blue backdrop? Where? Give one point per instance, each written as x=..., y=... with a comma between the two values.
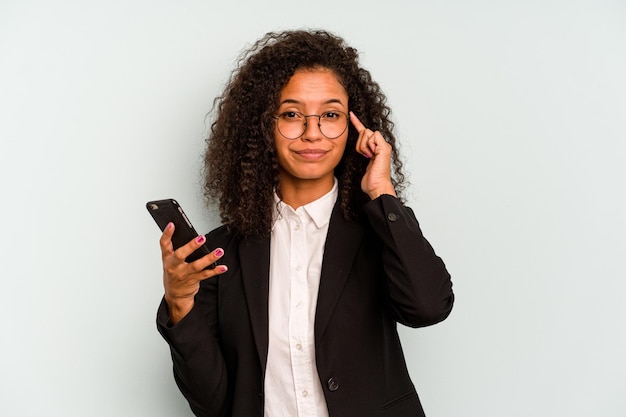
x=511, y=119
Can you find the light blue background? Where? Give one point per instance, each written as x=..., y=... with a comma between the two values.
x=512, y=119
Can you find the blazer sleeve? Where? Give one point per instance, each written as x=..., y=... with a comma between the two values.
x=419, y=286
x=199, y=367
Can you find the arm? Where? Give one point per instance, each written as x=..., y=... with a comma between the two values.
x=187, y=320
x=419, y=286
x=199, y=368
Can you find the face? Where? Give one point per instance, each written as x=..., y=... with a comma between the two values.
x=311, y=158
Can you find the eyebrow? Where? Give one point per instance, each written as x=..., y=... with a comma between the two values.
x=293, y=101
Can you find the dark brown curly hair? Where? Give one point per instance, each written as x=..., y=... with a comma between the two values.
x=240, y=166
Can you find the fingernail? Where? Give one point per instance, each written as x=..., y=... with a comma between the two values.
x=200, y=239
x=223, y=268
x=169, y=225
x=218, y=252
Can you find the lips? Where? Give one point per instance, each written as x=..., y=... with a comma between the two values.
x=311, y=153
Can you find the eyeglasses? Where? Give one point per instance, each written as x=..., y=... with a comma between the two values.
x=292, y=124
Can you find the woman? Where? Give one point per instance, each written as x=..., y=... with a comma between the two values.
x=318, y=258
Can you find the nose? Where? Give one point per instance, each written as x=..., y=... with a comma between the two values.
x=312, y=131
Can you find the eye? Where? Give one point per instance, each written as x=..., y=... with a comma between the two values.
x=290, y=116
x=331, y=115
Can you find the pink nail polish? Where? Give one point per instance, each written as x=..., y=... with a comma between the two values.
x=200, y=239
x=218, y=252
x=223, y=268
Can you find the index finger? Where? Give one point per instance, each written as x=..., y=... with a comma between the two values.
x=357, y=123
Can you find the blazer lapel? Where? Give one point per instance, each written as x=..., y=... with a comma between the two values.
x=342, y=242
x=254, y=255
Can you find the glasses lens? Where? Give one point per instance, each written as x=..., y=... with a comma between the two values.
x=333, y=124
x=291, y=124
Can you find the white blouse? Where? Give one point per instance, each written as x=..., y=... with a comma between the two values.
x=292, y=385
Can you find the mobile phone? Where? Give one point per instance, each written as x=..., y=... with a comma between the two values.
x=165, y=211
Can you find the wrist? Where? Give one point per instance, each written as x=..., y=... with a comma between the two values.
x=374, y=194
x=178, y=308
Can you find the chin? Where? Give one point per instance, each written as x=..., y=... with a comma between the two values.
x=307, y=175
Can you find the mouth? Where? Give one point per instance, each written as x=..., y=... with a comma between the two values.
x=311, y=154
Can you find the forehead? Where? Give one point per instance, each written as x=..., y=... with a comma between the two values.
x=312, y=85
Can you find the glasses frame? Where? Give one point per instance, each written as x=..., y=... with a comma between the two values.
x=319, y=123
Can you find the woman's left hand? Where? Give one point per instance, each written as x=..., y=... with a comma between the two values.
x=372, y=145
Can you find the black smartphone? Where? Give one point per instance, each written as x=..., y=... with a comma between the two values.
x=165, y=211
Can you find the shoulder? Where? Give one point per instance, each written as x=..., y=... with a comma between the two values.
x=226, y=237
x=219, y=232
x=221, y=236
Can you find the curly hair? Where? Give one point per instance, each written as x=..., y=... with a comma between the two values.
x=241, y=170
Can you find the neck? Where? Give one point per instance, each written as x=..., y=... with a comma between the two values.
x=302, y=192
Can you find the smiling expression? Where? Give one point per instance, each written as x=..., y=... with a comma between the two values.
x=311, y=159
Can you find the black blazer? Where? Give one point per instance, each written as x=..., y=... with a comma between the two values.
x=375, y=273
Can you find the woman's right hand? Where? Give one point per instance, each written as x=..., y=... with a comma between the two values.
x=181, y=279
